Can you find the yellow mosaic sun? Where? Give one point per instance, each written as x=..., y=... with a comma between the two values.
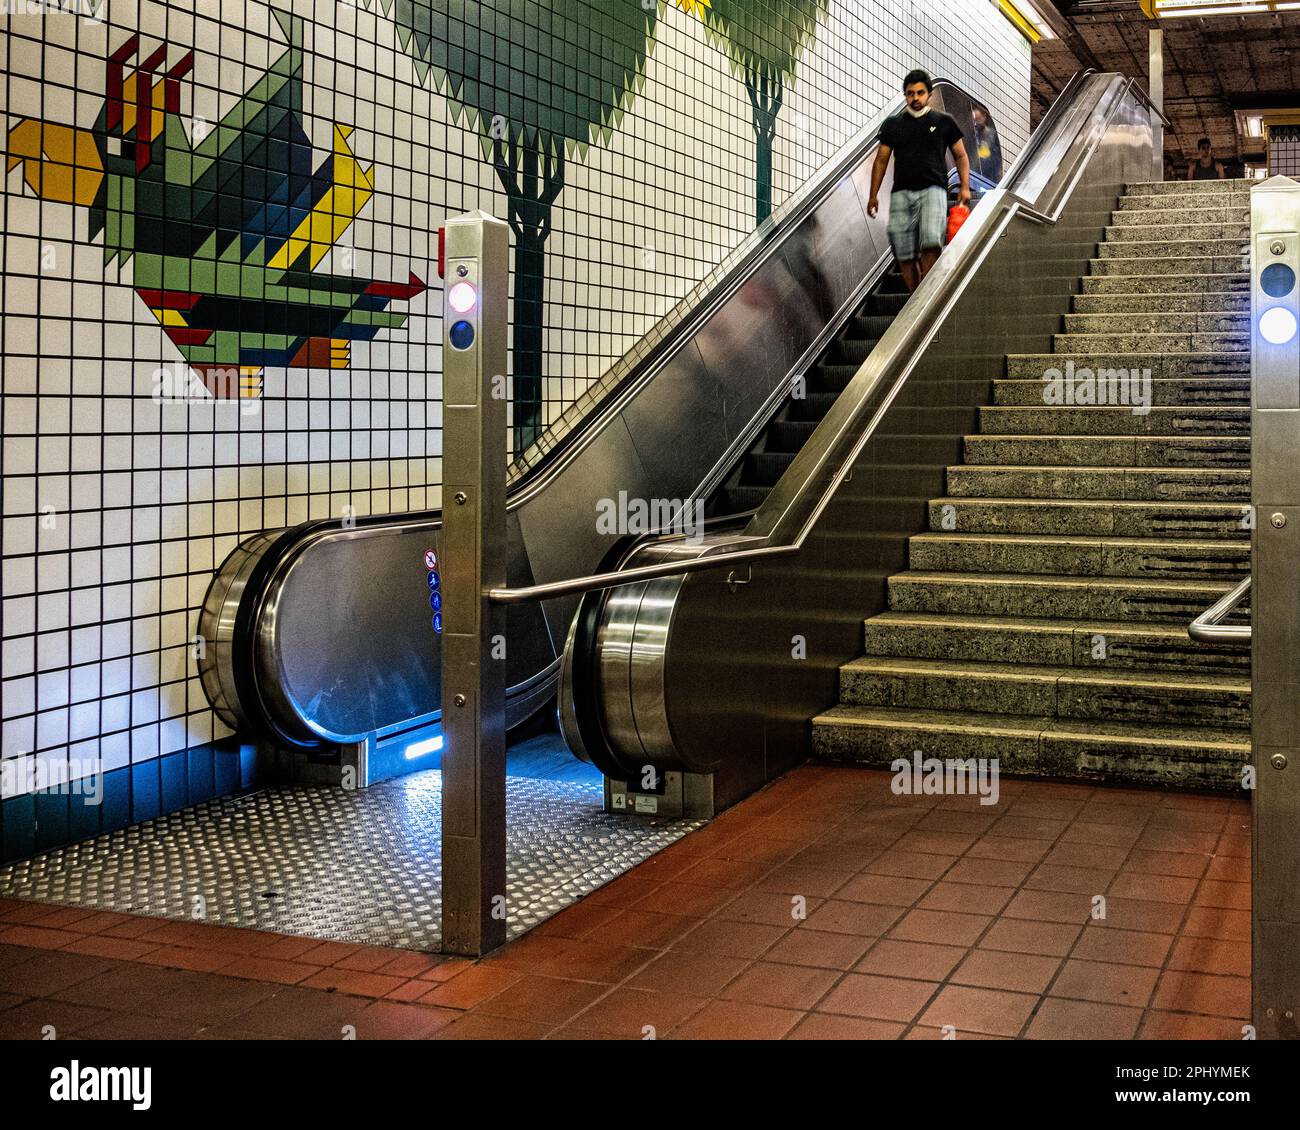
x=691, y=6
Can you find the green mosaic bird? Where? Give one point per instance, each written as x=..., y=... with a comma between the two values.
x=225, y=229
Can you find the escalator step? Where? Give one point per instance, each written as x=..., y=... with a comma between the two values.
x=813, y=407
x=738, y=500
x=790, y=435
x=871, y=325
x=850, y=351
x=765, y=468
x=831, y=378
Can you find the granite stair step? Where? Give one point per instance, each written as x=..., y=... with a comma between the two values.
x=1195, y=303
x=1159, y=697
x=1091, y=644
x=1152, y=342
x=1170, y=392
x=1134, y=753
x=1175, y=232
x=1136, y=322
x=1165, y=484
x=1197, y=520
x=1118, y=420
x=1231, y=281
x=1162, y=366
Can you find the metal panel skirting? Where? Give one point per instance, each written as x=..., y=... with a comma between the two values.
x=361, y=867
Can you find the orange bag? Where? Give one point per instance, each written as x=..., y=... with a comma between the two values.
x=956, y=217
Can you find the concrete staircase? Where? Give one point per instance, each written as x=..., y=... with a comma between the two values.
x=1044, y=619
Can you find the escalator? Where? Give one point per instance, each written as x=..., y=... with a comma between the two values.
x=319, y=635
x=719, y=669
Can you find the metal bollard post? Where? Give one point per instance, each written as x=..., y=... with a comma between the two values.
x=1275, y=606
x=476, y=258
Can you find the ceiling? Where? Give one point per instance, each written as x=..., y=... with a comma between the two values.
x=1213, y=66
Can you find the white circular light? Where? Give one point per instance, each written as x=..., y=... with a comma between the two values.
x=462, y=297
x=1278, y=325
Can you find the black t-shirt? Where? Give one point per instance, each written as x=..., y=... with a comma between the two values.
x=920, y=148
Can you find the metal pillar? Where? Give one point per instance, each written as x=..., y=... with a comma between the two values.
x=1275, y=606
x=1156, y=88
x=476, y=261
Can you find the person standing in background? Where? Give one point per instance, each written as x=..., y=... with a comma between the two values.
x=918, y=139
x=1205, y=167
x=988, y=147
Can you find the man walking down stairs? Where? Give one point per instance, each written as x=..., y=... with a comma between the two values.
x=1043, y=621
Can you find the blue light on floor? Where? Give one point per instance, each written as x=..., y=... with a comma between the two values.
x=419, y=749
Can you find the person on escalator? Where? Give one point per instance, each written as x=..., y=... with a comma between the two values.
x=917, y=139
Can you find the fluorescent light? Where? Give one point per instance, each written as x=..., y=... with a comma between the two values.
x=1029, y=18
x=1185, y=9
x=419, y=749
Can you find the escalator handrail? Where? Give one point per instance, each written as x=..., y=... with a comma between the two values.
x=893, y=359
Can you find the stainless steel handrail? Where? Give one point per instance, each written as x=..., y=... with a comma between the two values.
x=893, y=356
x=1209, y=626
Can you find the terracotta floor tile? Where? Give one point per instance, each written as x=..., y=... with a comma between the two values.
x=1211, y=955
x=889, y=890
x=1186, y=864
x=998, y=969
x=411, y=990
x=912, y=864
x=1122, y=947
x=542, y=1000
x=62, y=918
x=187, y=957
x=125, y=949
x=1192, y=820
x=1069, y=880
x=410, y=964
x=587, y=960
x=838, y=857
x=133, y=1026
x=38, y=937
x=1025, y=828
x=1234, y=896
x=941, y=927
x=1181, y=991
x=177, y=993
x=1217, y=922
x=269, y=969
x=629, y=1012
x=943, y=820
x=878, y=998
x=1050, y=906
x=47, y=971
x=368, y=959
x=990, y=872
x=864, y=920
x=1049, y=939
x=477, y=1026
x=722, y=938
x=472, y=986
x=624, y=891
x=769, y=907
x=995, y=1012
x=736, y=874
x=1045, y=808
x=327, y=953
x=782, y=986
x=686, y=899
x=131, y=928
x=734, y=1020
x=1009, y=849
x=446, y=969
x=1226, y=868
x=1105, y=983
x=759, y=848
x=1100, y=857
x=818, y=948
x=644, y=930
x=1176, y=1026
x=811, y=882
x=919, y=961
x=46, y=1019
x=966, y=898
x=1125, y=815
x=1059, y=1019
x=818, y=1026
x=936, y=843
x=1177, y=839
x=923, y=1033
x=1153, y=888
x=692, y=974
x=1101, y=835
x=352, y=981
x=394, y=1020
x=1142, y=914
x=287, y=949
x=297, y=1013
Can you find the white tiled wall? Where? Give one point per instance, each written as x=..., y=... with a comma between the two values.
x=117, y=509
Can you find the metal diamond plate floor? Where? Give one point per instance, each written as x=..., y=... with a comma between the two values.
x=358, y=866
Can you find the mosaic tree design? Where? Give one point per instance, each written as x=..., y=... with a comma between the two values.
x=225, y=230
x=539, y=83
x=764, y=39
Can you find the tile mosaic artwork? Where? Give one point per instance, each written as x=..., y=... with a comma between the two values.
x=220, y=301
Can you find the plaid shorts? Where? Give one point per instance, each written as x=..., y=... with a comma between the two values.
x=918, y=220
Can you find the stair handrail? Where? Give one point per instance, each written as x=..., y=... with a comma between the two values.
x=1209, y=626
